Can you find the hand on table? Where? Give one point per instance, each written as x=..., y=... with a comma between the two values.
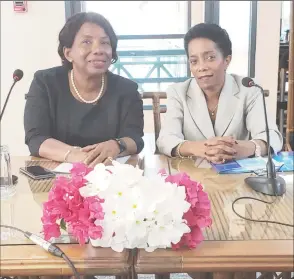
x=218, y=150
x=102, y=152
x=77, y=155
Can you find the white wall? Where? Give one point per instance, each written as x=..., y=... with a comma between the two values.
x=267, y=49
x=29, y=42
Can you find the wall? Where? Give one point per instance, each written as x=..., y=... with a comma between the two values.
x=34, y=47
x=28, y=42
x=267, y=49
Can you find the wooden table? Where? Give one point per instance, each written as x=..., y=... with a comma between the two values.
x=19, y=257
x=232, y=245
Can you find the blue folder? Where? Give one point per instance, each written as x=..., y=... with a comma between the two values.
x=283, y=162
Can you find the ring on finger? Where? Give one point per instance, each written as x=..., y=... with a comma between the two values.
x=224, y=160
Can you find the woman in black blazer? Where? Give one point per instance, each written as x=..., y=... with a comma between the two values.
x=81, y=112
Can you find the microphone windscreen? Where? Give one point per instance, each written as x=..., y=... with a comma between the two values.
x=247, y=82
x=17, y=75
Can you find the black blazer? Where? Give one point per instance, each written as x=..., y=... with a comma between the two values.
x=51, y=111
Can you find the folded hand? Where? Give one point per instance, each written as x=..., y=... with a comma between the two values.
x=220, y=149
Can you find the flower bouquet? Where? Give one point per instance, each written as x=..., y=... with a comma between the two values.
x=116, y=206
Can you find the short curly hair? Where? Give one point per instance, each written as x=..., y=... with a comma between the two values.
x=212, y=32
x=72, y=27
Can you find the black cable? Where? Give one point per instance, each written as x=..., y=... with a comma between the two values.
x=49, y=247
x=71, y=265
x=256, y=220
x=13, y=228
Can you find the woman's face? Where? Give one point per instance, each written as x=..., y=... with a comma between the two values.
x=207, y=63
x=91, y=52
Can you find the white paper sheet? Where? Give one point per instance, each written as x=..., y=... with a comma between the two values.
x=66, y=167
x=201, y=163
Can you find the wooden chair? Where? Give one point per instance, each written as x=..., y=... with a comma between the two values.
x=157, y=110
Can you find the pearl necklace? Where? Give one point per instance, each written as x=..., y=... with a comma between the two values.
x=78, y=94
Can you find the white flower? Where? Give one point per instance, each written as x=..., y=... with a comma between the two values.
x=138, y=211
x=98, y=180
x=125, y=173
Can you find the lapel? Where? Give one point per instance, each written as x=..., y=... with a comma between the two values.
x=227, y=105
x=198, y=109
x=197, y=106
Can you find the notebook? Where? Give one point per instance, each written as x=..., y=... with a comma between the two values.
x=283, y=162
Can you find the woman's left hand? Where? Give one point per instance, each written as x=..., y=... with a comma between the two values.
x=102, y=152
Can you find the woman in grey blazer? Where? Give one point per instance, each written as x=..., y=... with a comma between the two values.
x=213, y=115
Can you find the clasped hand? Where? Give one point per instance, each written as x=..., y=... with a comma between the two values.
x=218, y=150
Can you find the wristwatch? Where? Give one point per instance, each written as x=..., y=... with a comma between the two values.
x=121, y=144
x=257, y=152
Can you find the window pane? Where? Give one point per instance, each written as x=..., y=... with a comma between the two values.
x=143, y=17
x=285, y=27
x=150, y=44
x=152, y=63
x=235, y=18
x=151, y=69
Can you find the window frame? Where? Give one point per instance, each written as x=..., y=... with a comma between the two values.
x=73, y=7
x=211, y=13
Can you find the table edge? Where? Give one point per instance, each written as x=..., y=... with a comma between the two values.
x=219, y=256
x=35, y=260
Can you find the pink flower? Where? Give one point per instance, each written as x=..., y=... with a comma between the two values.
x=49, y=218
x=95, y=232
x=191, y=218
x=194, y=238
x=162, y=172
x=65, y=202
x=51, y=230
x=80, y=169
x=198, y=216
x=80, y=231
x=95, y=207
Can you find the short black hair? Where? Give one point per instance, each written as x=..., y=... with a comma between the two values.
x=212, y=32
x=72, y=27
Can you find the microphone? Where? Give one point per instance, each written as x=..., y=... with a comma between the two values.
x=17, y=76
x=272, y=185
x=46, y=245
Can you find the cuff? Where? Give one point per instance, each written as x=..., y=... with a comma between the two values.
x=35, y=143
x=166, y=145
x=139, y=142
x=276, y=143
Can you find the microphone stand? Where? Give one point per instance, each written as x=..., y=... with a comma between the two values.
x=272, y=184
x=6, y=101
x=14, y=177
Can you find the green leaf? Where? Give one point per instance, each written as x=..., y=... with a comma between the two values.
x=63, y=224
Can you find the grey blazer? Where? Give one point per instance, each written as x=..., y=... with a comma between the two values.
x=240, y=114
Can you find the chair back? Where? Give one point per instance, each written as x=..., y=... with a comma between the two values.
x=157, y=110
